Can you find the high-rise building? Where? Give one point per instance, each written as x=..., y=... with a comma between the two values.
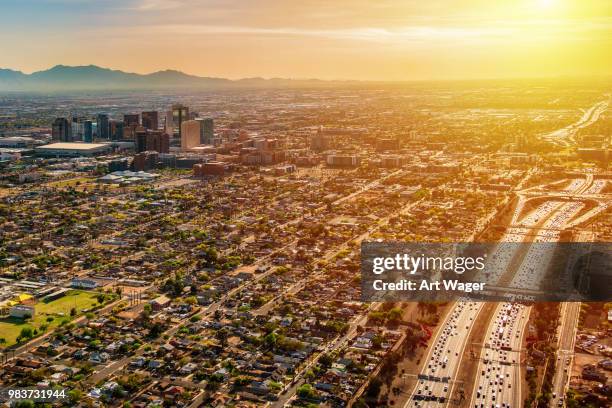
x=60, y=130
x=190, y=134
x=150, y=120
x=152, y=140
x=141, y=140
x=129, y=132
x=320, y=141
x=77, y=128
x=88, y=131
x=145, y=161
x=179, y=114
x=130, y=128
x=164, y=143
x=103, y=126
x=130, y=119
x=157, y=141
x=116, y=129
x=207, y=130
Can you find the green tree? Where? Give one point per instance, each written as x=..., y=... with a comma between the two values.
x=26, y=333
x=306, y=391
x=374, y=388
x=75, y=395
x=270, y=339
x=326, y=360
x=24, y=404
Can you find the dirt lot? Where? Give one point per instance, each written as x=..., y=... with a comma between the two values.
x=583, y=359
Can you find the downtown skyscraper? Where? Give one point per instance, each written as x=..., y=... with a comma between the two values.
x=103, y=126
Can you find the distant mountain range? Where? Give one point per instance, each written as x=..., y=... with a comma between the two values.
x=92, y=77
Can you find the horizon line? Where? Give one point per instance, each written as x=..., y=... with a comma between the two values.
x=382, y=81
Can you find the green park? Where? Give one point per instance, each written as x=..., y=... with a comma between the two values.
x=48, y=315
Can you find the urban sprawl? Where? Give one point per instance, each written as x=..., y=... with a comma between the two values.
x=203, y=249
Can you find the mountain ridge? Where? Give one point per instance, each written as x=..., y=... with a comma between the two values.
x=93, y=77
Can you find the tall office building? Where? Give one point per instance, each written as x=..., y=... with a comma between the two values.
x=141, y=140
x=320, y=141
x=150, y=120
x=130, y=124
x=60, y=130
x=162, y=141
x=88, y=131
x=103, y=126
x=152, y=140
x=129, y=132
x=207, y=130
x=116, y=129
x=131, y=119
x=176, y=117
x=77, y=128
x=190, y=134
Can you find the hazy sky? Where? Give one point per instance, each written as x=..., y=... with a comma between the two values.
x=343, y=39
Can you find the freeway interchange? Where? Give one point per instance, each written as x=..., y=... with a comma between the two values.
x=498, y=378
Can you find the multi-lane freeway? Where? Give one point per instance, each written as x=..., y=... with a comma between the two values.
x=444, y=358
x=507, y=341
x=565, y=135
x=498, y=383
x=498, y=377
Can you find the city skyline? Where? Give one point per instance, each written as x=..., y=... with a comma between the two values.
x=384, y=41
x=313, y=204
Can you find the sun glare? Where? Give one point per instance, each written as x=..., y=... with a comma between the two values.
x=545, y=3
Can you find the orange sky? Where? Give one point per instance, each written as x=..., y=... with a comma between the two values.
x=328, y=39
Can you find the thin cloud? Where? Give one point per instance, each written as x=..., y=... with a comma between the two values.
x=494, y=31
x=153, y=5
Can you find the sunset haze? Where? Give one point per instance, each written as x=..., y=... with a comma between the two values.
x=366, y=40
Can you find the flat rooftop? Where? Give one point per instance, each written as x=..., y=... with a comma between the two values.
x=73, y=146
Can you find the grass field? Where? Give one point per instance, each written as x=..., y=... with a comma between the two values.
x=78, y=183
x=51, y=314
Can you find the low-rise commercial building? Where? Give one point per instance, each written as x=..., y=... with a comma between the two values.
x=22, y=311
x=343, y=160
x=18, y=142
x=73, y=149
x=209, y=169
x=84, y=283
